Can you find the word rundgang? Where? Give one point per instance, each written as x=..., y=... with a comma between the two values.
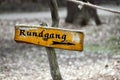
x=43, y=34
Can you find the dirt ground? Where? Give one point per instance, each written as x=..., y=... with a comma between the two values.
x=100, y=59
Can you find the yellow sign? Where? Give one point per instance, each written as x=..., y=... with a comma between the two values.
x=50, y=37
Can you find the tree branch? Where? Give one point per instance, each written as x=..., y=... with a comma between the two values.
x=94, y=6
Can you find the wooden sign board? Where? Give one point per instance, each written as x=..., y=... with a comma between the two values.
x=49, y=37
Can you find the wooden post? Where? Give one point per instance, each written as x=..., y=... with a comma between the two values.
x=54, y=68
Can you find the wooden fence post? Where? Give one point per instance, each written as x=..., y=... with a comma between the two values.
x=54, y=68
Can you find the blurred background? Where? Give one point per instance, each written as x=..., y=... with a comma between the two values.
x=39, y=5
x=100, y=58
